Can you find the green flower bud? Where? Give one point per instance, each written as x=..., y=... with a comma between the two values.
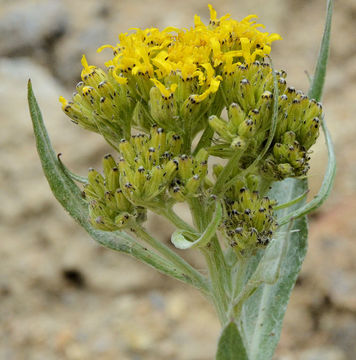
x=141, y=118
x=96, y=182
x=101, y=217
x=121, y=201
x=192, y=185
x=128, y=152
x=101, y=104
x=247, y=128
x=190, y=176
x=163, y=109
x=249, y=221
x=109, y=208
x=147, y=166
x=176, y=192
x=247, y=95
x=220, y=127
x=236, y=117
x=238, y=143
x=108, y=164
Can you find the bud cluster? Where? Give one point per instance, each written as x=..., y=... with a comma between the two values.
x=249, y=221
x=109, y=209
x=249, y=89
x=190, y=176
x=148, y=164
x=297, y=130
x=101, y=104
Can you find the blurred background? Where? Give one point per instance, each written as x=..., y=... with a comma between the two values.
x=64, y=297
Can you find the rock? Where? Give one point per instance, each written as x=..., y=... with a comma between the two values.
x=31, y=26
x=69, y=51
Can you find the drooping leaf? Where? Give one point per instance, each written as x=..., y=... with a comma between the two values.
x=180, y=242
x=230, y=345
x=70, y=174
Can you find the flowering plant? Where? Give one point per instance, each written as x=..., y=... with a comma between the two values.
x=161, y=105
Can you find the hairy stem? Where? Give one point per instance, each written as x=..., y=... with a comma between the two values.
x=192, y=276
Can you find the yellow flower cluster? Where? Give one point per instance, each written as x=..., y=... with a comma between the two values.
x=202, y=53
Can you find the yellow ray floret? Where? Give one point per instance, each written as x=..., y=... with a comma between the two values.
x=166, y=92
x=200, y=55
x=186, y=51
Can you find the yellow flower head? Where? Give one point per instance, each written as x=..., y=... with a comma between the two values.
x=172, y=77
x=201, y=52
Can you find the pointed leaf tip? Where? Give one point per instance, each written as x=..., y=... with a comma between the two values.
x=230, y=345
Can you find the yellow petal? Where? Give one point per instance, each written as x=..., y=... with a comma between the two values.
x=121, y=80
x=101, y=48
x=63, y=101
x=213, y=14
x=166, y=92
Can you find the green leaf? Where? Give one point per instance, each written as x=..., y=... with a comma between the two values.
x=292, y=202
x=70, y=197
x=262, y=313
x=230, y=345
x=180, y=242
x=316, y=91
x=317, y=86
x=70, y=174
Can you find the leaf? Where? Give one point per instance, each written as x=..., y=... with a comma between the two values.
x=262, y=313
x=180, y=242
x=230, y=345
x=317, y=86
x=316, y=91
x=70, y=174
x=70, y=197
x=292, y=202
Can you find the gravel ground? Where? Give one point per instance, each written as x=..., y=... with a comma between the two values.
x=64, y=297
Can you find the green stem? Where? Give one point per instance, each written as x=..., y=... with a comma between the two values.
x=191, y=275
x=205, y=139
x=215, y=267
x=198, y=217
x=264, y=186
x=176, y=220
x=224, y=175
x=238, y=281
x=214, y=257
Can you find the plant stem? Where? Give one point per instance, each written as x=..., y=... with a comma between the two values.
x=214, y=257
x=228, y=169
x=192, y=275
x=237, y=283
x=176, y=220
x=217, y=271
